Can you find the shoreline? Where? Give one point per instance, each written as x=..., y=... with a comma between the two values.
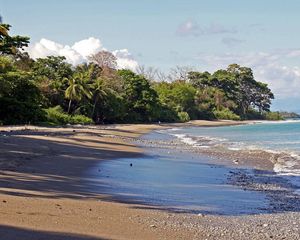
x=41, y=191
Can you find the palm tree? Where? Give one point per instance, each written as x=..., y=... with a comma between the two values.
x=3, y=30
x=100, y=90
x=78, y=88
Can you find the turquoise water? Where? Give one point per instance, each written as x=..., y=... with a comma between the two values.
x=280, y=138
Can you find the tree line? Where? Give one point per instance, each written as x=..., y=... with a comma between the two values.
x=50, y=90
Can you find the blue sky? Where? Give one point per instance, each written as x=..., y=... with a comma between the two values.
x=206, y=35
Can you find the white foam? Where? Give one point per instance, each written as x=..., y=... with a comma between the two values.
x=185, y=139
x=287, y=162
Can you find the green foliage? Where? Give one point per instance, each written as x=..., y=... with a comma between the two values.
x=50, y=75
x=167, y=114
x=141, y=99
x=273, y=116
x=100, y=93
x=239, y=89
x=11, y=44
x=178, y=96
x=183, y=117
x=289, y=115
x=80, y=119
x=19, y=97
x=226, y=114
x=78, y=87
x=56, y=115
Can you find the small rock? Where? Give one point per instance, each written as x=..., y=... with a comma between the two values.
x=265, y=225
x=131, y=164
x=4, y=201
x=153, y=226
x=201, y=215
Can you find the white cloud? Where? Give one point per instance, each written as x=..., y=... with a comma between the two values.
x=125, y=59
x=283, y=79
x=87, y=47
x=79, y=52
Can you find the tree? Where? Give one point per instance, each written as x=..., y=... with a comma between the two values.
x=77, y=88
x=199, y=79
x=20, y=99
x=8, y=44
x=178, y=95
x=179, y=73
x=99, y=93
x=241, y=93
x=104, y=59
x=148, y=72
x=50, y=74
x=141, y=99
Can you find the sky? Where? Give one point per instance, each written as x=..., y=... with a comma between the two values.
x=205, y=35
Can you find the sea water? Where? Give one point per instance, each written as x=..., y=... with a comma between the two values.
x=175, y=182
x=279, y=138
x=184, y=181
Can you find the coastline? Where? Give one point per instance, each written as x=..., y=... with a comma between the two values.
x=41, y=194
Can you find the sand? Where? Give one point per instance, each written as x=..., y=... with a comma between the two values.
x=43, y=196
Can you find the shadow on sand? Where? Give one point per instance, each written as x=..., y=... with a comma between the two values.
x=8, y=232
x=54, y=169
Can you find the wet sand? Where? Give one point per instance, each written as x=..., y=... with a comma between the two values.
x=43, y=194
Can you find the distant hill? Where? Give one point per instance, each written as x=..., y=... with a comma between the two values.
x=288, y=115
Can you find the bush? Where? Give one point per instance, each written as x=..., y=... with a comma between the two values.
x=56, y=115
x=253, y=114
x=80, y=119
x=167, y=114
x=273, y=116
x=13, y=111
x=226, y=114
x=183, y=117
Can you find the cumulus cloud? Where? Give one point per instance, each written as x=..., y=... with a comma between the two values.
x=192, y=28
x=79, y=52
x=125, y=59
x=283, y=79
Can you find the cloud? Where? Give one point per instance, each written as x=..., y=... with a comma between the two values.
x=87, y=47
x=283, y=79
x=188, y=28
x=125, y=59
x=192, y=28
x=232, y=42
x=79, y=52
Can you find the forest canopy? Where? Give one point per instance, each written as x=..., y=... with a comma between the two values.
x=50, y=90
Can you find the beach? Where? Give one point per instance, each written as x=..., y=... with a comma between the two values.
x=43, y=193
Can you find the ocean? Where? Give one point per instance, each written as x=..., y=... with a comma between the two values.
x=171, y=175
x=279, y=138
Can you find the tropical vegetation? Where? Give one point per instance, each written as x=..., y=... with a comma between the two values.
x=50, y=90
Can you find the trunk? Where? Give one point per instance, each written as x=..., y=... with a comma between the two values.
x=70, y=102
x=94, y=107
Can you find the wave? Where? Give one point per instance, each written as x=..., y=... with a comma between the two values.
x=286, y=163
x=277, y=121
